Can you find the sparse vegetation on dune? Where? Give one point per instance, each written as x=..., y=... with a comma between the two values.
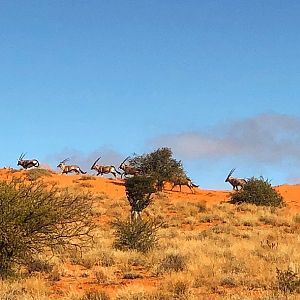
x=36, y=218
x=38, y=173
x=258, y=191
x=204, y=250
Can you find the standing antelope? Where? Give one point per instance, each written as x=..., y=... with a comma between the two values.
x=104, y=169
x=69, y=168
x=235, y=182
x=127, y=169
x=27, y=163
x=183, y=180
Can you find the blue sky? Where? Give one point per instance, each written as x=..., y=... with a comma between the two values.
x=217, y=81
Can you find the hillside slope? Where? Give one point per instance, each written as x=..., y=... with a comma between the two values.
x=208, y=237
x=115, y=187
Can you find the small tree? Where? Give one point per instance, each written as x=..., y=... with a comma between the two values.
x=159, y=165
x=136, y=233
x=258, y=191
x=35, y=218
x=138, y=191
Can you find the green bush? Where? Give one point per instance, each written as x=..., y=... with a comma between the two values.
x=258, y=191
x=35, y=217
x=138, y=191
x=160, y=165
x=140, y=235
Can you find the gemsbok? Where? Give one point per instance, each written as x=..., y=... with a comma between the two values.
x=27, y=163
x=104, y=169
x=127, y=169
x=235, y=182
x=183, y=180
x=69, y=168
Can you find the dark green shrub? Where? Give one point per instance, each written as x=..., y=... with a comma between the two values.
x=138, y=191
x=258, y=191
x=35, y=217
x=160, y=165
x=140, y=235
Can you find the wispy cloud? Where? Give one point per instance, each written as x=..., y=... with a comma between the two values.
x=268, y=138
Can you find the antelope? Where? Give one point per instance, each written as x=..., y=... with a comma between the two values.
x=127, y=169
x=104, y=169
x=235, y=182
x=27, y=163
x=183, y=180
x=69, y=168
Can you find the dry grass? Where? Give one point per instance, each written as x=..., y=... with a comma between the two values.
x=33, y=288
x=204, y=251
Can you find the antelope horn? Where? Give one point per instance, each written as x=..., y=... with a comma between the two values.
x=230, y=173
x=124, y=160
x=22, y=156
x=63, y=161
x=95, y=162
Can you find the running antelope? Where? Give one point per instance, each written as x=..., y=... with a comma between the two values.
x=183, y=180
x=104, y=169
x=69, y=168
x=235, y=182
x=127, y=169
x=27, y=163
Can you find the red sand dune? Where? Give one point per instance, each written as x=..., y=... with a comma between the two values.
x=115, y=188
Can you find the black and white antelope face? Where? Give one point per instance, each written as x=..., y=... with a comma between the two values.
x=235, y=182
x=69, y=168
x=127, y=169
x=27, y=163
x=104, y=169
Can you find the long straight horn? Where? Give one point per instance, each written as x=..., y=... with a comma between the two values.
x=63, y=161
x=124, y=160
x=22, y=156
x=230, y=173
x=92, y=167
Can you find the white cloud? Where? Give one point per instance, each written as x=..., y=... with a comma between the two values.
x=268, y=138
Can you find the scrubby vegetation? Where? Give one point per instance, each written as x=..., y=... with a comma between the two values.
x=159, y=165
x=205, y=250
x=139, y=234
x=138, y=191
x=37, y=173
x=35, y=218
x=288, y=281
x=135, y=233
x=258, y=191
